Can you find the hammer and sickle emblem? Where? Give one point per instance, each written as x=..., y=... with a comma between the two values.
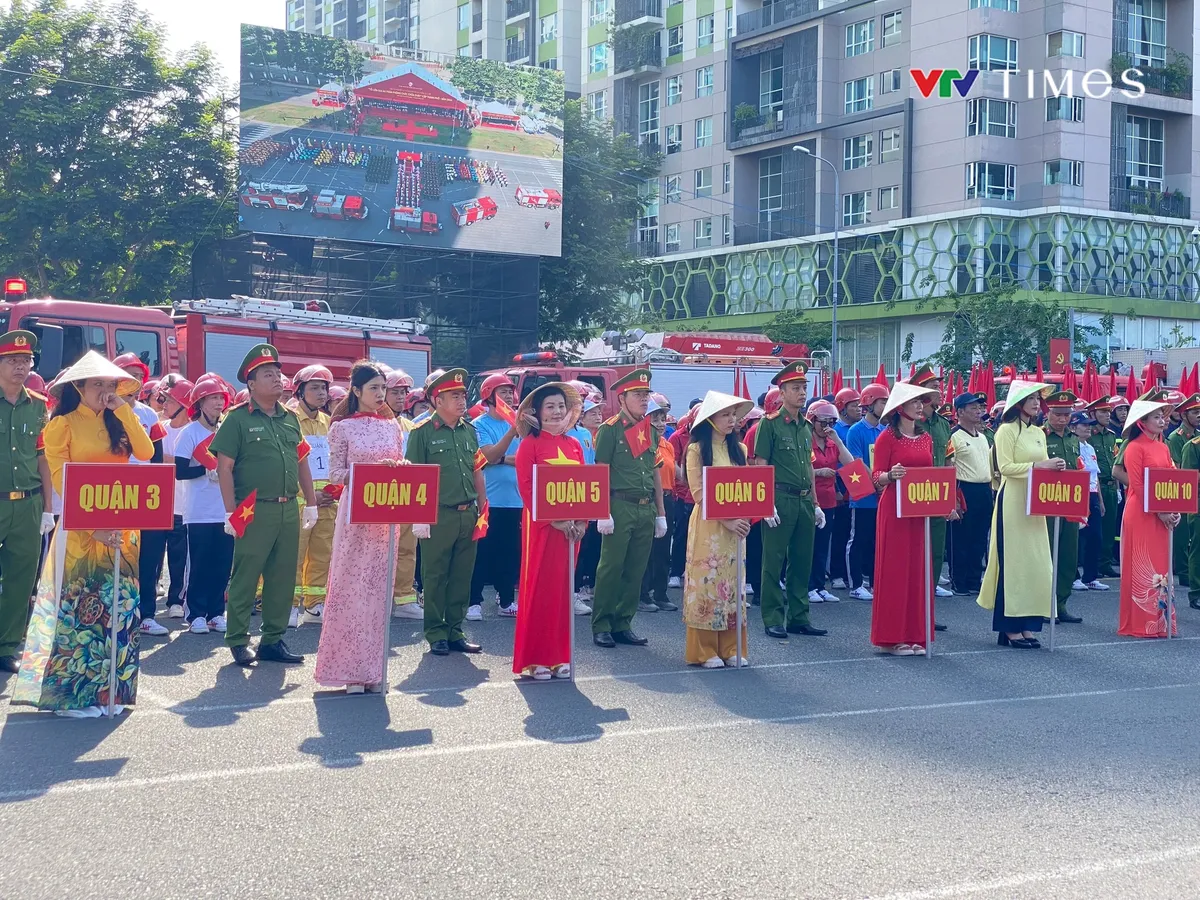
x=1059, y=359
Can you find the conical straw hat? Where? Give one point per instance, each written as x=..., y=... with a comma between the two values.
x=715, y=402
x=1146, y=404
x=574, y=405
x=901, y=393
x=93, y=365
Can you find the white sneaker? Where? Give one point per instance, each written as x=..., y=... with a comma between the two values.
x=355, y=688
x=315, y=615
x=828, y=597
x=581, y=608
x=749, y=589
x=217, y=624
x=673, y=581
x=862, y=593
x=940, y=591
x=838, y=584
x=508, y=611
x=408, y=611
x=199, y=626
x=715, y=663
x=294, y=618
x=815, y=597
x=475, y=613
x=175, y=611
x=732, y=662
x=1098, y=585
x=943, y=580
x=1078, y=585
x=149, y=626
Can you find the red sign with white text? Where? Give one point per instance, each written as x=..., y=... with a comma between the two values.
x=1054, y=492
x=570, y=493
x=738, y=492
x=927, y=492
x=1171, y=490
x=393, y=495
x=118, y=497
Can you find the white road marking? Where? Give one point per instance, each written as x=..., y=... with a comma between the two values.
x=525, y=743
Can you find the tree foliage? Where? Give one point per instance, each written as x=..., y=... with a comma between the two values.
x=312, y=54
x=603, y=178
x=790, y=327
x=114, y=161
x=496, y=81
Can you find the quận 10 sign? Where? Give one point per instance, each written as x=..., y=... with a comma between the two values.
x=393, y=495
x=118, y=497
x=565, y=493
x=1171, y=491
x=738, y=492
x=927, y=492
x=1058, y=492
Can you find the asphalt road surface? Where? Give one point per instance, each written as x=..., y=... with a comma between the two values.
x=824, y=770
x=515, y=229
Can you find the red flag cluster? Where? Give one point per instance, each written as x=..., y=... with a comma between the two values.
x=1189, y=382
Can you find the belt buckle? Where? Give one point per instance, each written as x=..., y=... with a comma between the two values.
x=644, y=502
x=16, y=495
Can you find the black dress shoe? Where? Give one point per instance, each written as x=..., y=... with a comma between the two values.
x=243, y=656
x=439, y=648
x=628, y=637
x=1194, y=604
x=278, y=652
x=777, y=631
x=807, y=629
x=1034, y=643
x=666, y=605
x=937, y=627
x=10, y=664
x=603, y=639
x=1064, y=616
x=462, y=645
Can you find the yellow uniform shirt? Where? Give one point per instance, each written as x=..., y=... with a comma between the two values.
x=972, y=456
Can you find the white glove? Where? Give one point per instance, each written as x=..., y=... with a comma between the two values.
x=607, y=526
x=660, y=527
x=421, y=532
x=229, y=527
x=820, y=517
x=308, y=518
x=47, y=522
x=773, y=521
x=212, y=476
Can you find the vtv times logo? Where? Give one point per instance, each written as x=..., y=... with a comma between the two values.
x=1096, y=84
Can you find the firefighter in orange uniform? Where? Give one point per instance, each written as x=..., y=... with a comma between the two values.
x=316, y=544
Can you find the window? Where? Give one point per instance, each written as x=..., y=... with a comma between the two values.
x=704, y=134
x=1064, y=171
x=1144, y=152
x=770, y=186
x=991, y=181
x=703, y=231
x=1005, y=5
x=860, y=38
x=889, y=82
x=893, y=28
x=675, y=40
x=674, y=89
x=728, y=31
x=78, y=340
x=598, y=104
x=1064, y=43
x=648, y=113
x=726, y=178
x=674, y=139
x=551, y=63
x=597, y=11
x=672, y=244
x=889, y=198
x=726, y=230
x=1064, y=109
x=704, y=31
x=889, y=144
x=673, y=192
x=1148, y=32
x=991, y=53
x=549, y=28
x=859, y=95
x=857, y=152
x=854, y=209
x=647, y=223
x=995, y=117
x=142, y=343
x=464, y=17
x=704, y=81
x=597, y=58
x=770, y=81
x=704, y=182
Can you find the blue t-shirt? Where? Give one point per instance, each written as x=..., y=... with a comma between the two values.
x=500, y=479
x=843, y=429
x=586, y=441
x=860, y=440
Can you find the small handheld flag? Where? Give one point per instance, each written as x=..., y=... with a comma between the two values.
x=481, y=523
x=857, y=479
x=638, y=436
x=203, y=455
x=243, y=515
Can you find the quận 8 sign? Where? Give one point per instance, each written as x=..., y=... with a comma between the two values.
x=118, y=497
x=1058, y=492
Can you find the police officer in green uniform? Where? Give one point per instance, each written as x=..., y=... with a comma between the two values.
x=784, y=440
x=24, y=490
x=447, y=439
x=636, y=514
x=1190, y=459
x=1189, y=419
x=939, y=428
x=1104, y=442
x=1061, y=444
x=258, y=449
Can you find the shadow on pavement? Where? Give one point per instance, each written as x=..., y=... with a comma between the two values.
x=559, y=712
x=251, y=688
x=351, y=726
x=39, y=750
x=427, y=680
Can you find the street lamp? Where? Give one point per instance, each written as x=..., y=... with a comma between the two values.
x=837, y=259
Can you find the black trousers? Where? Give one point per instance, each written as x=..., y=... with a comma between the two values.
x=210, y=550
x=1090, y=538
x=839, y=522
x=589, y=557
x=969, y=536
x=658, y=568
x=860, y=548
x=150, y=564
x=754, y=560
x=498, y=557
x=683, y=515
x=822, y=538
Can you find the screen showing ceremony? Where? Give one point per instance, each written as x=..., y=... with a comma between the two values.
x=359, y=142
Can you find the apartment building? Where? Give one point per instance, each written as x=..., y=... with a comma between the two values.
x=997, y=176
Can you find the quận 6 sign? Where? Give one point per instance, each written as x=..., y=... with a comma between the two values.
x=738, y=492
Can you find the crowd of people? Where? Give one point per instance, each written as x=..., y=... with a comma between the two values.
x=261, y=527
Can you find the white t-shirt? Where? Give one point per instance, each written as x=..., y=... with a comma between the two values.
x=181, y=487
x=1087, y=456
x=148, y=417
x=202, y=501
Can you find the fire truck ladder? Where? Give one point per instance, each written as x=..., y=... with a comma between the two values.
x=270, y=310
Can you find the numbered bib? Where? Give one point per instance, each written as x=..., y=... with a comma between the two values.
x=318, y=457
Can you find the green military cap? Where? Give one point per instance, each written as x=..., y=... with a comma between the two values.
x=796, y=371
x=923, y=376
x=1061, y=400
x=259, y=355
x=450, y=380
x=14, y=342
x=1101, y=404
x=637, y=380
x=1192, y=402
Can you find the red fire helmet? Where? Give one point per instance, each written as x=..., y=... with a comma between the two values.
x=845, y=397
x=129, y=361
x=491, y=383
x=873, y=393
x=207, y=387
x=773, y=401
x=313, y=373
x=399, y=378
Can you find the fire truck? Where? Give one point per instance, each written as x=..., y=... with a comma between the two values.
x=263, y=195
x=408, y=218
x=331, y=205
x=544, y=198
x=470, y=211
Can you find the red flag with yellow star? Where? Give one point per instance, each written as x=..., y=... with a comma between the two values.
x=243, y=515
x=303, y=449
x=638, y=436
x=481, y=524
x=506, y=412
x=857, y=479
x=480, y=460
x=203, y=455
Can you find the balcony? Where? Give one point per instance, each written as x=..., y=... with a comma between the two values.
x=776, y=15
x=397, y=36
x=755, y=129
x=1172, y=80
x=649, y=148
x=645, y=249
x=516, y=50
x=637, y=50
x=396, y=12
x=1146, y=202
x=775, y=230
x=638, y=12
x=516, y=8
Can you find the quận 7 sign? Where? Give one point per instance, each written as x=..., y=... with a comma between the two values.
x=927, y=492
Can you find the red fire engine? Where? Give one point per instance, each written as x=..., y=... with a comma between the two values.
x=544, y=198
x=470, y=211
x=331, y=205
x=408, y=218
x=262, y=195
